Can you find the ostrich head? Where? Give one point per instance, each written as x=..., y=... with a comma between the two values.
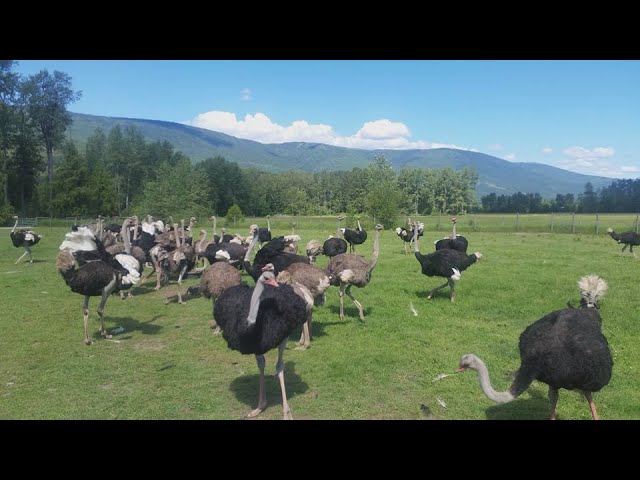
x=15, y=217
x=468, y=361
x=398, y=230
x=268, y=267
x=379, y=226
x=342, y=230
x=453, y=220
x=253, y=228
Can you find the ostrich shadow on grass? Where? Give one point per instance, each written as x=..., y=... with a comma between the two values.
x=129, y=324
x=318, y=328
x=535, y=407
x=246, y=387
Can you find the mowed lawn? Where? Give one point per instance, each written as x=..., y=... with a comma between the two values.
x=167, y=364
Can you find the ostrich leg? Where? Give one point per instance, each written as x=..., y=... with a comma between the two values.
x=452, y=285
x=592, y=405
x=355, y=302
x=342, y=288
x=286, y=411
x=106, y=292
x=553, y=400
x=623, y=249
x=305, y=337
x=85, y=314
x=21, y=256
x=262, y=396
x=436, y=289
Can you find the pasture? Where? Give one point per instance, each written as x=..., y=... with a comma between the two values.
x=166, y=364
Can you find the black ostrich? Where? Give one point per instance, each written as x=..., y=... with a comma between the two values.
x=354, y=237
x=273, y=253
x=264, y=234
x=629, y=239
x=25, y=239
x=444, y=263
x=100, y=277
x=256, y=320
x=407, y=235
x=564, y=349
x=453, y=241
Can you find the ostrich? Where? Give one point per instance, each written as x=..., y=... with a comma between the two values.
x=100, y=277
x=453, y=241
x=564, y=349
x=273, y=253
x=25, y=239
x=216, y=237
x=629, y=239
x=256, y=320
x=264, y=234
x=334, y=246
x=407, y=235
x=179, y=261
x=354, y=237
x=313, y=249
x=215, y=280
x=309, y=282
x=445, y=263
x=348, y=269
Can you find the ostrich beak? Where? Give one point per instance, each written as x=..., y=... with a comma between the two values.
x=272, y=282
x=460, y=369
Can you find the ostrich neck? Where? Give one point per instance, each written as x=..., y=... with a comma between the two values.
x=202, y=241
x=254, y=240
x=376, y=250
x=454, y=231
x=125, y=237
x=14, y=227
x=214, y=226
x=268, y=225
x=415, y=239
x=487, y=389
x=135, y=230
x=255, y=302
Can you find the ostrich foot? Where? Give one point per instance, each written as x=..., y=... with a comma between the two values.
x=216, y=330
x=287, y=415
x=106, y=335
x=256, y=412
x=157, y=287
x=302, y=346
x=88, y=342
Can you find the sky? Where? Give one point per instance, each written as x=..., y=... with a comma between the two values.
x=582, y=116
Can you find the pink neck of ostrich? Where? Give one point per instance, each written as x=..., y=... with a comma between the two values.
x=376, y=250
x=487, y=389
x=255, y=301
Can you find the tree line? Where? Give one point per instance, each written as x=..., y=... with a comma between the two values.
x=120, y=173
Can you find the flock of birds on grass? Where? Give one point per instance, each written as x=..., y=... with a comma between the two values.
x=564, y=349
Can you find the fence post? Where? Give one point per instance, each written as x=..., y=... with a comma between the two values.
x=438, y=226
x=573, y=222
x=552, y=221
x=597, y=224
x=637, y=222
x=517, y=221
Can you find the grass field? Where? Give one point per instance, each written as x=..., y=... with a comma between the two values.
x=167, y=364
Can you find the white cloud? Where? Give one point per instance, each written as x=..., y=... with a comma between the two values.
x=495, y=147
x=510, y=156
x=581, y=152
x=382, y=133
x=246, y=94
x=596, y=161
x=547, y=150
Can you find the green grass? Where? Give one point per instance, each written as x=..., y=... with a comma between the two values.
x=167, y=364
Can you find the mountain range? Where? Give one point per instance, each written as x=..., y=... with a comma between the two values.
x=495, y=175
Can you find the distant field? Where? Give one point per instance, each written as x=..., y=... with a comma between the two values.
x=167, y=365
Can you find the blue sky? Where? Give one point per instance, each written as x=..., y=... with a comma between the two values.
x=582, y=116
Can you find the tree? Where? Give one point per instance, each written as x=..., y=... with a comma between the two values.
x=234, y=213
x=9, y=83
x=383, y=197
x=47, y=99
x=589, y=199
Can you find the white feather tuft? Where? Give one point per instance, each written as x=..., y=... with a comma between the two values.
x=413, y=310
x=132, y=266
x=478, y=255
x=222, y=255
x=346, y=275
x=82, y=239
x=456, y=275
x=592, y=288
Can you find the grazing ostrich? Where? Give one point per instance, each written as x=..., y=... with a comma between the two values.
x=453, y=241
x=348, y=269
x=629, y=239
x=309, y=282
x=256, y=320
x=354, y=237
x=264, y=234
x=313, y=249
x=215, y=280
x=445, y=263
x=100, y=277
x=25, y=239
x=564, y=349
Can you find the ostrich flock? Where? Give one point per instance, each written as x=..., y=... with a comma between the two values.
x=564, y=349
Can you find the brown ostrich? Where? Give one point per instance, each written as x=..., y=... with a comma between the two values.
x=348, y=269
x=215, y=280
x=309, y=282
